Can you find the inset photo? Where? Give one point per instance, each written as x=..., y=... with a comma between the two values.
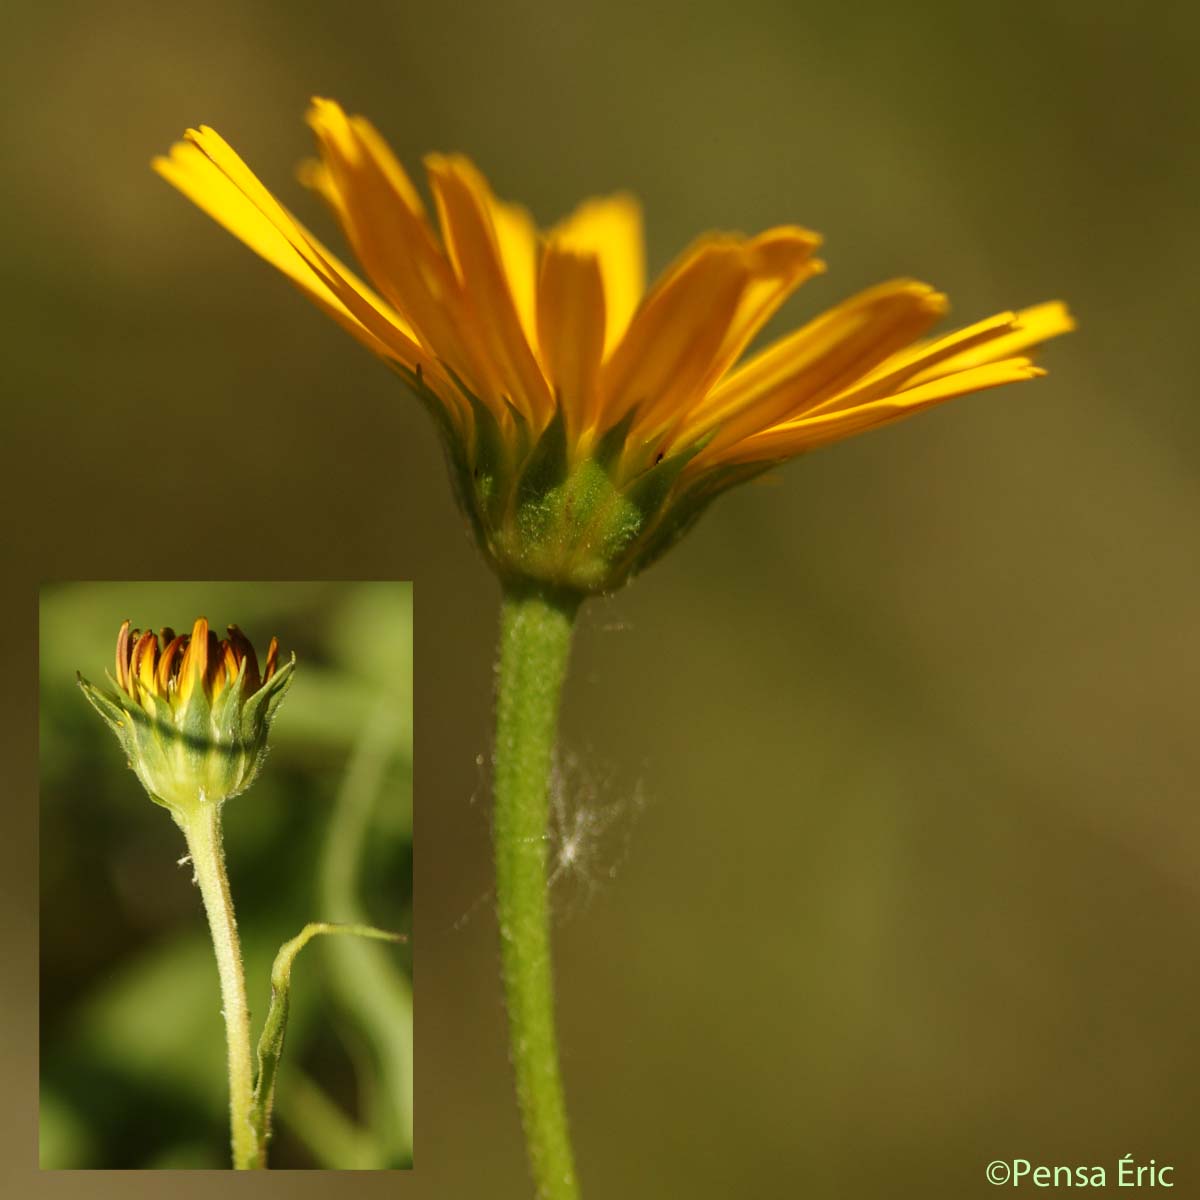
x=226, y=875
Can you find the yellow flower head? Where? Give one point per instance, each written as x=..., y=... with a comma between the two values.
x=589, y=420
x=192, y=712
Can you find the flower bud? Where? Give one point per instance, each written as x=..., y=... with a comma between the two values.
x=191, y=712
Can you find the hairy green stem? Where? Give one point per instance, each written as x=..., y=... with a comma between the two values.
x=535, y=639
x=203, y=833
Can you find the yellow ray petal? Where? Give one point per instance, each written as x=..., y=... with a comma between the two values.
x=195, y=660
x=807, y=432
x=777, y=262
x=384, y=221
x=571, y=332
x=467, y=212
x=1030, y=327
x=672, y=339
x=142, y=664
x=802, y=369
x=207, y=170
x=927, y=352
x=610, y=228
x=354, y=139
x=314, y=174
x=224, y=669
x=994, y=339
x=517, y=239
x=696, y=321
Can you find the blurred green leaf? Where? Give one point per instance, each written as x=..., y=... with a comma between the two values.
x=64, y=1142
x=366, y=980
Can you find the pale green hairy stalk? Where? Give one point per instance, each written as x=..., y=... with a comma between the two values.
x=202, y=829
x=535, y=639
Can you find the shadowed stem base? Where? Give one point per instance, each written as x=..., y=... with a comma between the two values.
x=535, y=639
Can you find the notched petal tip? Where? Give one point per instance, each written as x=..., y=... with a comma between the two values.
x=1046, y=320
x=928, y=297
x=324, y=111
x=788, y=235
x=328, y=120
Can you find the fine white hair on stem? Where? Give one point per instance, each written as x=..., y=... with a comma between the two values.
x=590, y=829
x=588, y=835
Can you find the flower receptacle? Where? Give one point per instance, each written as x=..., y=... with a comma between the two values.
x=542, y=512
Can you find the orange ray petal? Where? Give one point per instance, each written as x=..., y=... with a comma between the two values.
x=807, y=432
x=994, y=339
x=610, y=229
x=195, y=660
x=207, y=170
x=802, y=369
x=384, y=220
x=1030, y=327
x=571, y=332
x=467, y=211
x=696, y=322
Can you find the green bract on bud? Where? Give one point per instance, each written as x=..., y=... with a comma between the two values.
x=577, y=516
x=191, y=712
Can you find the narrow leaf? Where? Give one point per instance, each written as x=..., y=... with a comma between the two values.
x=270, y=1044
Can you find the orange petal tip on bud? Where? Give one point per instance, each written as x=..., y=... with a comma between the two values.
x=272, y=657
x=123, y=654
x=213, y=664
x=244, y=651
x=141, y=667
x=166, y=663
x=195, y=660
x=190, y=735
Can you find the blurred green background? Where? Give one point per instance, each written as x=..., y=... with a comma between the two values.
x=914, y=882
x=132, y=1043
